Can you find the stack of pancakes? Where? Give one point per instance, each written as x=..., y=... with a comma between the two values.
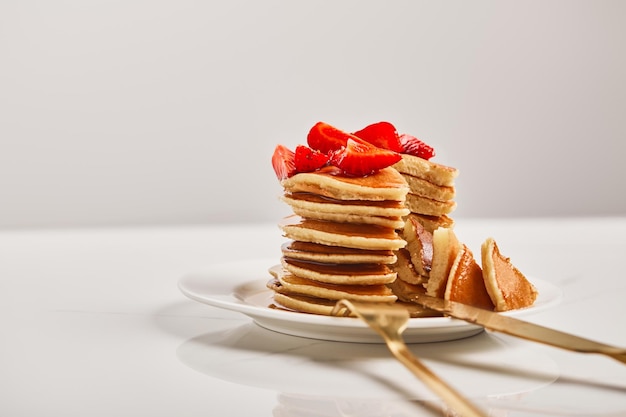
x=342, y=239
x=385, y=238
x=432, y=192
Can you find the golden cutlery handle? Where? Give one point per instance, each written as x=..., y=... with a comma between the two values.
x=497, y=322
x=618, y=356
x=448, y=394
x=390, y=322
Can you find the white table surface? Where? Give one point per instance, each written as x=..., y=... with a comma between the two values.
x=93, y=324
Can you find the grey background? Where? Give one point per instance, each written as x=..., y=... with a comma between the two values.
x=167, y=112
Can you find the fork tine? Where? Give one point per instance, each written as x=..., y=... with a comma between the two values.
x=342, y=309
x=390, y=322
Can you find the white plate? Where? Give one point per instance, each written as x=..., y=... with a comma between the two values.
x=241, y=287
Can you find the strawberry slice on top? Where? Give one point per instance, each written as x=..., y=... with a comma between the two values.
x=368, y=150
x=283, y=162
x=413, y=146
x=382, y=134
x=308, y=160
x=326, y=138
x=359, y=158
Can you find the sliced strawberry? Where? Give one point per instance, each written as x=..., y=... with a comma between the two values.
x=307, y=159
x=283, y=161
x=359, y=158
x=326, y=138
x=382, y=135
x=413, y=146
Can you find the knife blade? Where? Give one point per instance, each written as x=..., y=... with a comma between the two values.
x=502, y=323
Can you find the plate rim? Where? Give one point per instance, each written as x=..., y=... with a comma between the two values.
x=229, y=301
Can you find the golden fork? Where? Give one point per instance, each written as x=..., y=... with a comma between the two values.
x=390, y=322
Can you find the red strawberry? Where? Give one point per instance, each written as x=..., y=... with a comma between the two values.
x=307, y=159
x=283, y=161
x=414, y=146
x=359, y=158
x=382, y=135
x=326, y=138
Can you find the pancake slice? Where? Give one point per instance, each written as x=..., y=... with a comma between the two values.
x=348, y=235
x=344, y=274
x=385, y=184
x=292, y=284
x=446, y=247
x=419, y=246
x=405, y=290
x=304, y=304
x=431, y=223
x=405, y=269
x=507, y=286
x=428, y=206
x=425, y=188
x=390, y=222
x=315, y=252
x=313, y=202
x=465, y=282
x=435, y=173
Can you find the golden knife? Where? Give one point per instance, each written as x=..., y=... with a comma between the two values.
x=502, y=323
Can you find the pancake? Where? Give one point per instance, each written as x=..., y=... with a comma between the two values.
x=315, y=252
x=445, y=249
x=465, y=282
x=345, y=274
x=424, y=205
x=419, y=246
x=390, y=222
x=304, y=304
x=405, y=269
x=431, y=223
x=348, y=235
x=405, y=290
x=425, y=188
x=313, y=202
x=385, y=184
x=430, y=171
x=508, y=287
x=386, y=213
x=291, y=284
